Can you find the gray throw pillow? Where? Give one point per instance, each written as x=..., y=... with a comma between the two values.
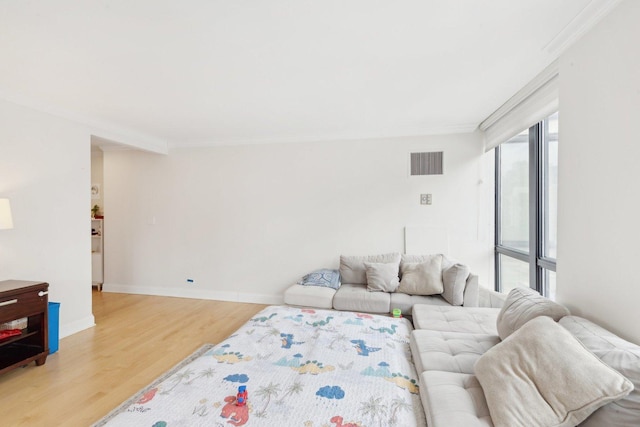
x=543, y=376
x=353, y=271
x=522, y=305
x=454, y=280
x=422, y=278
x=382, y=277
x=413, y=258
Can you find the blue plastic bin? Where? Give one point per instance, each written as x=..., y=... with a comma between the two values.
x=54, y=326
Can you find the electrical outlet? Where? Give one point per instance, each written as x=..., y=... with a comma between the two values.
x=425, y=199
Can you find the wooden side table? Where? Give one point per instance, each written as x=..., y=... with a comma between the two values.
x=18, y=300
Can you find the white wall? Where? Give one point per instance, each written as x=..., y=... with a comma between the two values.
x=246, y=222
x=44, y=170
x=599, y=197
x=96, y=178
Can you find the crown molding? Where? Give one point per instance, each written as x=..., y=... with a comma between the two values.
x=588, y=17
x=335, y=137
x=104, y=130
x=544, y=77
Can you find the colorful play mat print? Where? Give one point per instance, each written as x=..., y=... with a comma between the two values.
x=300, y=367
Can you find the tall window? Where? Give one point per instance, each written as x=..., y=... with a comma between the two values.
x=526, y=209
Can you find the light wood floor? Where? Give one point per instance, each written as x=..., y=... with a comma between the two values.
x=135, y=340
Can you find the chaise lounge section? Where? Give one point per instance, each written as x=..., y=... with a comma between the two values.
x=482, y=367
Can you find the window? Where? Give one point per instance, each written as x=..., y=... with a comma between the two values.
x=526, y=209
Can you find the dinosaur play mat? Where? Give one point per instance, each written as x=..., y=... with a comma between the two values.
x=300, y=367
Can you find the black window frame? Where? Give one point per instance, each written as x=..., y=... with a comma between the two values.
x=538, y=139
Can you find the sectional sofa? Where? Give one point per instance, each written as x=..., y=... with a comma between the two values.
x=487, y=359
x=528, y=363
x=382, y=283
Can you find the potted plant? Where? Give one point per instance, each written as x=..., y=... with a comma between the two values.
x=94, y=211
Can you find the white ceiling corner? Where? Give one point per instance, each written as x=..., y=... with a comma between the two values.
x=593, y=12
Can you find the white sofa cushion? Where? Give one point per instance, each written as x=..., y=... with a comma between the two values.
x=453, y=400
x=309, y=296
x=622, y=356
x=543, y=376
x=448, y=351
x=382, y=277
x=522, y=305
x=475, y=320
x=406, y=302
x=351, y=297
x=422, y=278
x=353, y=271
x=454, y=280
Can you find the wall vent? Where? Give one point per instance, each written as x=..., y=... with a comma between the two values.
x=426, y=163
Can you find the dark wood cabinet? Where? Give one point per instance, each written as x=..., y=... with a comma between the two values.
x=18, y=300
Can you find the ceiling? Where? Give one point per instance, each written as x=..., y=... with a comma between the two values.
x=200, y=72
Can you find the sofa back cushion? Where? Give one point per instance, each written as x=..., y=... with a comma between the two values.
x=522, y=305
x=422, y=278
x=353, y=270
x=543, y=376
x=622, y=356
x=413, y=258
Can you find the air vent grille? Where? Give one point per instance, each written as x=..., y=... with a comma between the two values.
x=426, y=163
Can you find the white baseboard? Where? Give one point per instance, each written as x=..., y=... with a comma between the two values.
x=76, y=326
x=195, y=293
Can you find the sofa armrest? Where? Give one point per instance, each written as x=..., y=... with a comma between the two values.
x=489, y=298
x=470, y=297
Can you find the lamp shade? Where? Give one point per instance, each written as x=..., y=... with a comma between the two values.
x=6, y=222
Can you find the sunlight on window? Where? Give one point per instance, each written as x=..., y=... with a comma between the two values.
x=514, y=192
x=513, y=273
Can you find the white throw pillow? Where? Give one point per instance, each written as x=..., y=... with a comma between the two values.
x=382, y=277
x=413, y=258
x=423, y=278
x=522, y=305
x=353, y=271
x=454, y=280
x=542, y=376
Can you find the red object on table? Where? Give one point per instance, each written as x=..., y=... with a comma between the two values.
x=8, y=333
